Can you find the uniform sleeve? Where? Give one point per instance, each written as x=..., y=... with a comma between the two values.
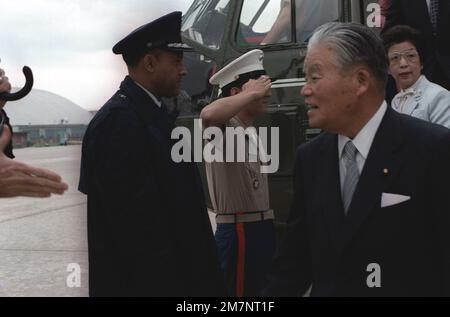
x=128, y=180
x=439, y=109
x=291, y=270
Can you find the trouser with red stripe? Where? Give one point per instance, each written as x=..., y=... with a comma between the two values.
x=245, y=252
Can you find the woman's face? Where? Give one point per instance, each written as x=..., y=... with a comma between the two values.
x=404, y=64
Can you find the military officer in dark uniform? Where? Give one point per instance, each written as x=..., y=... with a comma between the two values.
x=148, y=229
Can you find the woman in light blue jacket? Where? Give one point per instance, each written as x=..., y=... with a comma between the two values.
x=417, y=96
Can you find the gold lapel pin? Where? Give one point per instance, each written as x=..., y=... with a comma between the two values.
x=385, y=171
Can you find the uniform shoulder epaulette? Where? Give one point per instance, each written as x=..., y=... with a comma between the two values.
x=119, y=101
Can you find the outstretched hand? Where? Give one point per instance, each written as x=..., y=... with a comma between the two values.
x=18, y=179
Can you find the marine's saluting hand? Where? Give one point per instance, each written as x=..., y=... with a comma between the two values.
x=260, y=87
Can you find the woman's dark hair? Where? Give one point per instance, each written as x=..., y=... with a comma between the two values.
x=403, y=33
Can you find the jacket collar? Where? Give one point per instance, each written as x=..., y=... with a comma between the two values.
x=415, y=94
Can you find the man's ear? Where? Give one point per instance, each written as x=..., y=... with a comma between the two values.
x=235, y=91
x=150, y=62
x=363, y=79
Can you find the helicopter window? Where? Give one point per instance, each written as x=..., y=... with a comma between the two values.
x=310, y=14
x=270, y=21
x=259, y=17
x=205, y=24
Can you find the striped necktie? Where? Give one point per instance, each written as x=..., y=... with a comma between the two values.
x=434, y=11
x=352, y=174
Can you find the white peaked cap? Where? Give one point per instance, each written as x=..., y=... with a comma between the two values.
x=249, y=62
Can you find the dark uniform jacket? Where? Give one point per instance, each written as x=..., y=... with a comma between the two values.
x=148, y=229
x=409, y=241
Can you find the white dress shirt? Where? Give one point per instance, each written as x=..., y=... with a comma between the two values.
x=158, y=103
x=363, y=142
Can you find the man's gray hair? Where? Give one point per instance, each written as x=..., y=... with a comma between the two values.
x=354, y=44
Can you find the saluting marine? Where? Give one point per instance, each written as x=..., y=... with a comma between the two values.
x=239, y=191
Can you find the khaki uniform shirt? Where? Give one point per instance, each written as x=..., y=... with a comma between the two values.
x=236, y=187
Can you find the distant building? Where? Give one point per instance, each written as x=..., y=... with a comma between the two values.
x=20, y=139
x=48, y=119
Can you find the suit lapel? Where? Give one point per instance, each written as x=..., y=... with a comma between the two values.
x=381, y=167
x=416, y=13
x=330, y=188
x=414, y=104
x=443, y=14
x=417, y=97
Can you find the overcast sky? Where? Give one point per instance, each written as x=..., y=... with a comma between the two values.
x=67, y=43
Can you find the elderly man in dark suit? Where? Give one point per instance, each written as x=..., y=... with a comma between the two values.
x=148, y=229
x=432, y=19
x=371, y=213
